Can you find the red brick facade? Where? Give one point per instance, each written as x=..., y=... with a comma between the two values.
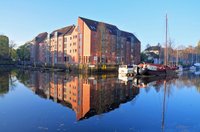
x=90, y=42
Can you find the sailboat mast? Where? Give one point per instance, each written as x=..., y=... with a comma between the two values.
x=166, y=46
x=177, y=57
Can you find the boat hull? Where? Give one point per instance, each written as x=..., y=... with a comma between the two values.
x=156, y=70
x=156, y=73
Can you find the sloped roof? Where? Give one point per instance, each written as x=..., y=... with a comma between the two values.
x=128, y=34
x=152, y=54
x=94, y=24
x=90, y=23
x=111, y=28
x=125, y=34
x=63, y=31
x=153, y=48
x=41, y=37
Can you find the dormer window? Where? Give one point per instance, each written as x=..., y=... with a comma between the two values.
x=56, y=33
x=92, y=27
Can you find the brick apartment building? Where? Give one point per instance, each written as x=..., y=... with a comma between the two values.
x=106, y=44
x=90, y=42
x=39, y=48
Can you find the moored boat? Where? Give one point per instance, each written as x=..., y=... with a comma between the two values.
x=197, y=66
x=180, y=68
x=158, y=69
x=192, y=68
x=155, y=69
x=126, y=70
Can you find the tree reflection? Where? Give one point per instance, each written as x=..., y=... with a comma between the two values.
x=4, y=81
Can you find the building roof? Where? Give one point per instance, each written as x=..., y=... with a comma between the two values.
x=94, y=24
x=41, y=37
x=153, y=55
x=63, y=31
x=153, y=48
x=90, y=23
x=125, y=34
x=128, y=35
x=111, y=28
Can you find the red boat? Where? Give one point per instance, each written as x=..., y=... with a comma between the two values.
x=155, y=69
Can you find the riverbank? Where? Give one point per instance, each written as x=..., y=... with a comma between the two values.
x=83, y=69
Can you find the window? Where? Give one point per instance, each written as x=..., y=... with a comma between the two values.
x=75, y=36
x=131, y=50
x=65, y=40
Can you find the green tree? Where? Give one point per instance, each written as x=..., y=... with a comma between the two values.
x=12, y=51
x=4, y=47
x=143, y=57
x=23, y=52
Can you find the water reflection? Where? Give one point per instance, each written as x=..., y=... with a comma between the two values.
x=4, y=82
x=93, y=95
x=158, y=103
x=156, y=82
x=87, y=96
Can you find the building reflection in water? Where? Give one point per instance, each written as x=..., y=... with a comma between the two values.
x=87, y=96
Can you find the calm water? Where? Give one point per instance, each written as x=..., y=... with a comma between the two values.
x=32, y=101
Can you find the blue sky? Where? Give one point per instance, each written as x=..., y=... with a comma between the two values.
x=21, y=20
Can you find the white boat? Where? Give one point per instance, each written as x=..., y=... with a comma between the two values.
x=180, y=68
x=197, y=65
x=126, y=70
x=124, y=78
x=197, y=72
x=192, y=68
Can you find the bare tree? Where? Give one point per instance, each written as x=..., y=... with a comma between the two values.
x=12, y=45
x=147, y=46
x=171, y=51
